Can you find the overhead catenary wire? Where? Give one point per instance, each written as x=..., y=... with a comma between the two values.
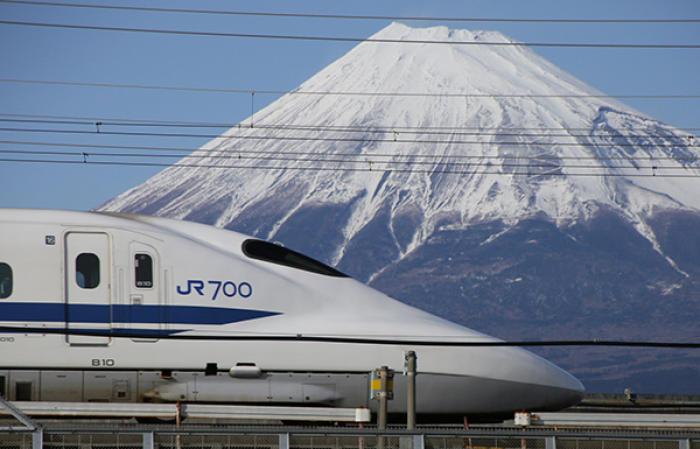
x=406, y=341
x=247, y=126
x=185, y=151
x=426, y=129
x=343, y=139
x=369, y=168
x=317, y=38
x=251, y=91
x=364, y=17
x=338, y=159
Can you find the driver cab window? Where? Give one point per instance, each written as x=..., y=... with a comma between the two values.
x=270, y=252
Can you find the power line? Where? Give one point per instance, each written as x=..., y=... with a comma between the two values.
x=185, y=151
x=370, y=168
x=297, y=37
x=282, y=126
x=342, y=139
x=351, y=340
x=333, y=159
x=242, y=126
x=348, y=16
x=249, y=91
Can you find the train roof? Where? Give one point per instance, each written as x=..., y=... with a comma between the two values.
x=222, y=239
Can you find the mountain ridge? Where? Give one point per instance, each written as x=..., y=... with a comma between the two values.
x=596, y=158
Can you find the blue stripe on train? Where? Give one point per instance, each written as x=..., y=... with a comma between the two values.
x=134, y=333
x=120, y=313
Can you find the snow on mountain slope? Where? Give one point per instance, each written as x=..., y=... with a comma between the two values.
x=518, y=157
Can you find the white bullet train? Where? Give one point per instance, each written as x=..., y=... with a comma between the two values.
x=115, y=307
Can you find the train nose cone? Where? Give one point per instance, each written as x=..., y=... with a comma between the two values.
x=565, y=390
x=552, y=388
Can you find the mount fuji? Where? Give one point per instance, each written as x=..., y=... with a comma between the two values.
x=514, y=199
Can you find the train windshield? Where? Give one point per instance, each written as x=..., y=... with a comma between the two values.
x=270, y=252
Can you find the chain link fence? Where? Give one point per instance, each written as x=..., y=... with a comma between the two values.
x=327, y=440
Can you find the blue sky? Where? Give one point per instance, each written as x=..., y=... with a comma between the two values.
x=93, y=56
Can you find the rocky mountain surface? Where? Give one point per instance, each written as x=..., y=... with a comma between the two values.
x=514, y=199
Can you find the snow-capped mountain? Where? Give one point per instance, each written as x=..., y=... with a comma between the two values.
x=513, y=200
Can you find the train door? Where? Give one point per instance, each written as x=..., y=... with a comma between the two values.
x=146, y=295
x=88, y=284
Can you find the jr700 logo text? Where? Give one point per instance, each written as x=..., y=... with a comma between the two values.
x=214, y=289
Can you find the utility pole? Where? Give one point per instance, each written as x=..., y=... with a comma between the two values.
x=411, y=362
x=382, y=386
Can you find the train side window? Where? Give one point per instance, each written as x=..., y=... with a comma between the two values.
x=2, y=387
x=87, y=270
x=23, y=391
x=143, y=271
x=5, y=280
